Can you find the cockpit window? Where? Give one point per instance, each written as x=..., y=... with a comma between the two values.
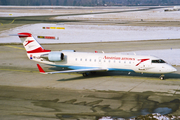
x=158, y=61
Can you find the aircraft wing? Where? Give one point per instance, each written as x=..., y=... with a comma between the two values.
x=71, y=71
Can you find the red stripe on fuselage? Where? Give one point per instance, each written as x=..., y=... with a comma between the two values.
x=142, y=60
x=38, y=50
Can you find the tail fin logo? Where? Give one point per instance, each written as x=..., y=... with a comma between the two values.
x=29, y=41
x=31, y=44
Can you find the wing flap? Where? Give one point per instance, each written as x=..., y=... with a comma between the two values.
x=72, y=71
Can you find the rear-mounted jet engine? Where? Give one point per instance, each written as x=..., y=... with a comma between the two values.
x=53, y=56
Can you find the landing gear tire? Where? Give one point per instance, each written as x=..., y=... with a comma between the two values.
x=93, y=72
x=162, y=77
x=85, y=74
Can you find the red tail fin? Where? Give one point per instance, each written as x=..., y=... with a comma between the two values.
x=31, y=44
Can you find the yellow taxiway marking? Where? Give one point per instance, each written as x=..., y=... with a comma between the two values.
x=10, y=22
x=15, y=47
x=20, y=70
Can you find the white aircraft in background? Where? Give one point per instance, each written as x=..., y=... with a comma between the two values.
x=85, y=63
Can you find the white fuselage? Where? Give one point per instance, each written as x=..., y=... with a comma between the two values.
x=112, y=62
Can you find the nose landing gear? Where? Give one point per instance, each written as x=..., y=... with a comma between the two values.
x=162, y=77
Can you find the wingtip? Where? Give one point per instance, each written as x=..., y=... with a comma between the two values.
x=40, y=69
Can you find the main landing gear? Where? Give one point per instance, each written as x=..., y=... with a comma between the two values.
x=85, y=74
x=162, y=77
x=88, y=73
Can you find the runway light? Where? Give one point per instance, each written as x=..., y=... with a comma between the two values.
x=48, y=37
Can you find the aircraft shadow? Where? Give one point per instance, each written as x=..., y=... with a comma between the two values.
x=123, y=74
x=118, y=73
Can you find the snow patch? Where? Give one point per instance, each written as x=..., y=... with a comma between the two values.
x=92, y=33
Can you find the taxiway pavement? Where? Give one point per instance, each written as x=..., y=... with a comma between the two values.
x=17, y=70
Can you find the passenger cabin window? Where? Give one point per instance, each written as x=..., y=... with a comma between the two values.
x=158, y=61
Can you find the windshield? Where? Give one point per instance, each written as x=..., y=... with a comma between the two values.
x=158, y=61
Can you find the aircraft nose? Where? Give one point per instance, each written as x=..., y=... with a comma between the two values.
x=171, y=69
x=174, y=69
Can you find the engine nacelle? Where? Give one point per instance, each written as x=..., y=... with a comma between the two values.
x=68, y=50
x=55, y=56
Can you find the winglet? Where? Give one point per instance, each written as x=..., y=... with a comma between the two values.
x=40, y=69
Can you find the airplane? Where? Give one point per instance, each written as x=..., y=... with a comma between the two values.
x=86, y=62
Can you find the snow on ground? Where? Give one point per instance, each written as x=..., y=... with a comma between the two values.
x=16, y=11
x=92, y=33
x=153, y=116
x=15, y=14
x=151, y=15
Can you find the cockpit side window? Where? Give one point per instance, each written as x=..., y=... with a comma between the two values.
x=158, y=61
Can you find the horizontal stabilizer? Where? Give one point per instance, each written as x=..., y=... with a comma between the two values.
x=18, y=35
x=21, y=34
x=13, y=35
